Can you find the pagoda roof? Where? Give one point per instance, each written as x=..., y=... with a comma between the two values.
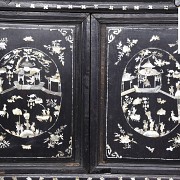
x=26, y=64
x=149, y=72
x=127, y=77
x=148, y=64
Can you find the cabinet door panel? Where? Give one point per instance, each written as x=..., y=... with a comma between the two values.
x=138, y=87
x=40, y=90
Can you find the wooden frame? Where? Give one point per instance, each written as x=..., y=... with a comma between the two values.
x=79, y=162
x=99, y=164
x=90, y=83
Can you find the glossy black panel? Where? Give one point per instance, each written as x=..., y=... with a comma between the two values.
x=35, y=63
x=142, y=81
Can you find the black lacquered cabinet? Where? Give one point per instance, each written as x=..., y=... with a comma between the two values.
x=89, y=90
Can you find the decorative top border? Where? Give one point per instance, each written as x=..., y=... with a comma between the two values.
x=86, y=6
x=86, y=177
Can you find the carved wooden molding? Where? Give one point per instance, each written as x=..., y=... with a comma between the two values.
x=87, y=6
x=87, y=177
